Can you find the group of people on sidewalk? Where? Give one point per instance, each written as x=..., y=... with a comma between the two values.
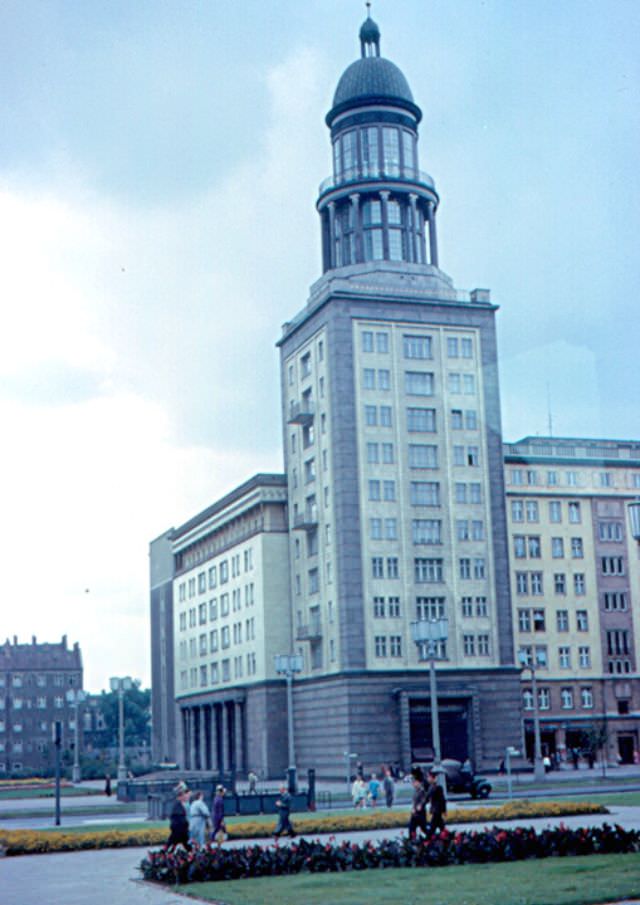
x=368, y=793
x=191, y=821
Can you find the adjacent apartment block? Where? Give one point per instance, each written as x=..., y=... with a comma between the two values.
x=35, y=680
x=228, y=594
x=575, y=583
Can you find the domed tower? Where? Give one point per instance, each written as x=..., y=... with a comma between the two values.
x=377, y=205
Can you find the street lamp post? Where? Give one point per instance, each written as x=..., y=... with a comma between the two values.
x=429, y=636
x=76, y=698
x=288, y=665
x=121, y=685
x=538, y=764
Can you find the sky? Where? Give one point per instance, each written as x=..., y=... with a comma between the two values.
x=159, y=166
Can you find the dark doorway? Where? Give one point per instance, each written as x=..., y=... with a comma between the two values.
x=626, y=745
x=454, y=731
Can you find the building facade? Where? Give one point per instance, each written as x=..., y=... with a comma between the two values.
x=35, y=680
x=575, y=583
x=393, y=454
x=230, y=610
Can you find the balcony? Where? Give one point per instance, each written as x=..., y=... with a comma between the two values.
x=311, y=632
x=301, y=412
x=351, y=177
x=306, y=520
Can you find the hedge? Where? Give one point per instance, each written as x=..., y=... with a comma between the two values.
x=212, y=863
x=29, y=842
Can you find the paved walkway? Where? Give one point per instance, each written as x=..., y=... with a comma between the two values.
x=109, y=877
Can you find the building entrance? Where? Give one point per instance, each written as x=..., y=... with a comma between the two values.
x=626, y=747
x=454, y=729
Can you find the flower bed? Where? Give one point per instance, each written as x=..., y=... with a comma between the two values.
x=179, y=866
x=29, y=842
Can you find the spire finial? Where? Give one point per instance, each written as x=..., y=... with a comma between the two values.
x=369, y=35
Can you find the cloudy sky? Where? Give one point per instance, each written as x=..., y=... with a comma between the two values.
x=159, y=166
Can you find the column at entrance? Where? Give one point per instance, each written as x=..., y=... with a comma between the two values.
x=224, y=732
x=238, y=725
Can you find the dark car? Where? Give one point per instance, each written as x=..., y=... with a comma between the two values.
x=462, y=779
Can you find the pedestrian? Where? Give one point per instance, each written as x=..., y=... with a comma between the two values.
x=179, y=819
x=575, y=757
x=219, y=831
x=418, y=817
x=283, y=804
x=107, y=785
x=437, y=803
x=359, y=793
x=253, y=779
x=388, y=786
x=374, y=790
x=199, y=817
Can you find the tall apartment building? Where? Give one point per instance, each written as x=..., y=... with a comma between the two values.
x=34, y=681
x=393, y=455
x=575, y=582
x=229, y=605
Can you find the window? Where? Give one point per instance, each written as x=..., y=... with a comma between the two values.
x=517, y=476
x=452, y=347
x=522, y=582
x=456, y=419
x=481, y=607
x=428, y=570
x=462, y=529
x=225, y=637
x=524, y=620
x=384, y=379
x=369, y=379
x=577, y=549
x=532, y=511
x=533, y=546
x=389, y=488
x=471, y=419
x=544, y=699
x=566, y=698
x=380, y=642
x=586, y=698
x=467, y=347
x=461, y=492
x=422, y=455
x=562, y=620
x=615, y=600
x=538, y=620
x=467, y=607
x=557, y=547
x=418, y=383
x=314, y=581
x=584, y=657
x=458, y=455
x=464, y=567
x=395, y=645
x=202, y=614
x=374, y=490
x=394, y=607
x=387, y=454
x=224, y=605
x=426, y=531
x=483, y=645
x=536, y=584
x=552, y=478
x=574, y=513
x=385, y=416
x=469, y=384
x=468, y=645
x=393, y=568
x=373, y=453
x=527, y=699
x=519, y=546
x=390, y=529
x=612, y=565
x=517, y=511
x=430, y=608
x=572, y=478
x=377, y=567
x=473, y=455
x=417, y=347
x=606, y=479
x=610, y=531
x=367, y=341
x=375, y=529
x=560, y=583
x=579, y=584
x=617, y=642
x=370, y=415
x=564, y=657
x=541, y=656
x=212, y=577
x=421, y=420
x=532, y=477
x=382, y=343
x=224, y=571
x=479, y=567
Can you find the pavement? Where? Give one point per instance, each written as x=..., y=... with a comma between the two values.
x=109, y=877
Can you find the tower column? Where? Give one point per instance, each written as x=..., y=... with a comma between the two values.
x=332, y=234
x=433, y=239
x=413, y=226
x=357, y=226
x=384, y=198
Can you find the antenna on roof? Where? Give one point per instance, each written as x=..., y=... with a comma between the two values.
x=549, y=417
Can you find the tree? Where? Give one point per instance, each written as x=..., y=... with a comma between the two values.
x=594, y=740
x=137, y=716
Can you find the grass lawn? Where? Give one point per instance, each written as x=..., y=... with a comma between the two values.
x=554, y=881
x=65, y=792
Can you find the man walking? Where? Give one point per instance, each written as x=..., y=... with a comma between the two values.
x=418, y=806
x=283, y=804
x=437, y=803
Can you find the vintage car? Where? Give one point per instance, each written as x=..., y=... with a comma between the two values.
x=461, y=778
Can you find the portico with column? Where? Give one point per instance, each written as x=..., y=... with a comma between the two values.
x=213, y=734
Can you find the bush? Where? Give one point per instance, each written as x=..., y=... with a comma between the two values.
x=211, y=863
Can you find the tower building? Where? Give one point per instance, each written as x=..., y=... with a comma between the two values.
x=393, y=458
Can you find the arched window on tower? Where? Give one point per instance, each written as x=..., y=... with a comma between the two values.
x=408, y=154
x=391, y=148
x=397, y=232
x=350, y=155
x=369, y=138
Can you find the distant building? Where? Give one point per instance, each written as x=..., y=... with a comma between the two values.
x=231, y=616
x=575, y=583
x=34, y=681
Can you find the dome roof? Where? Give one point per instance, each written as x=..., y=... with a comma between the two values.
x=372, y=79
